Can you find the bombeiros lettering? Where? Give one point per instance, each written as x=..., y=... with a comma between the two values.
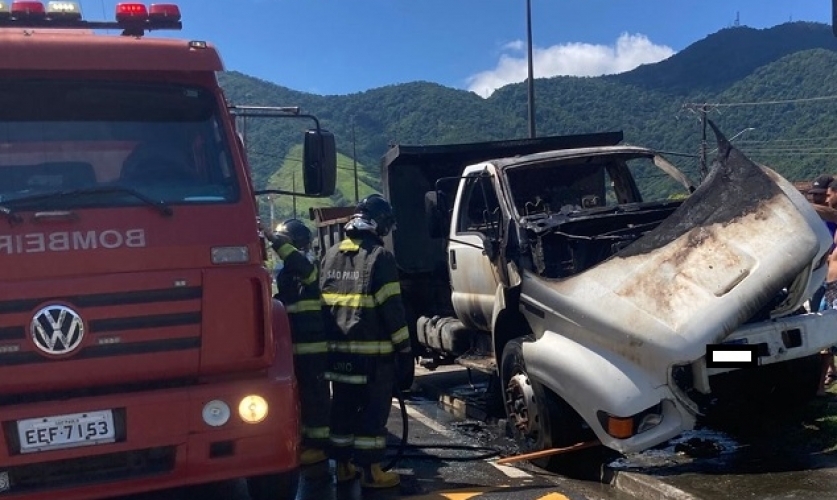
x=65, y=241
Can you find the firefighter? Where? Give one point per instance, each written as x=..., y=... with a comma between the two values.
x=369, y=342
x=299, y=290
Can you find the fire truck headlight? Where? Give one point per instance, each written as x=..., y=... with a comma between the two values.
x=216, y=413
x=252, y=409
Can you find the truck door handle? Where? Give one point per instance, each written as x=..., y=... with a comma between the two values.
x=453, y=259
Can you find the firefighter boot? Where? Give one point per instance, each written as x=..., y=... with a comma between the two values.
x=311, y=456
x=346, y=471
x=372, y=476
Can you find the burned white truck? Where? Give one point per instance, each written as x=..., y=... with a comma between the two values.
x=606, y=314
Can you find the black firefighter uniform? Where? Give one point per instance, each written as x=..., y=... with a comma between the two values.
x=366, y=328
x=298, y=289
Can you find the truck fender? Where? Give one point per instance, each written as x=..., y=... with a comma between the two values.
x=499, y=305
x=282, y=367
x=591, y=380
x=506, y=320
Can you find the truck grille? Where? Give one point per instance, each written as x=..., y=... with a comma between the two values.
x=90, y=470
x=109, y=325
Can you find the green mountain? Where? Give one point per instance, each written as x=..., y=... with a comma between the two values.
x=749, y=73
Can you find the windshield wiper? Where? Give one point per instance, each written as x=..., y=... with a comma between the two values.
x=11, y=216
x=161, y=205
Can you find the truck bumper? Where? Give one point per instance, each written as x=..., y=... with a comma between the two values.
x=783, y=339
x=161, y=442
x=591, y=380
x=780, y=340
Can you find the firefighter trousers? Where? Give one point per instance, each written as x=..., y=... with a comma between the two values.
x=314, y=398
x=359, y=415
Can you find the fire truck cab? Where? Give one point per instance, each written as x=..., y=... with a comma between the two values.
x=140, y=347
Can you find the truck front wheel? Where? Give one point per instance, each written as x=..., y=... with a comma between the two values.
x=538, y=419
x=273, y=486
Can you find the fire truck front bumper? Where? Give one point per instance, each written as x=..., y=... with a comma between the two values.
x=132, y=442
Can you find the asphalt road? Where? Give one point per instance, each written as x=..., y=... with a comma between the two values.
x=427, y=472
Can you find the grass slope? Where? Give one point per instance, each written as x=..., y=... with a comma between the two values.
x=283, y=178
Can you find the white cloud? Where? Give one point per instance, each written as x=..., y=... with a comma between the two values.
x=572, y=59
x=516, y=45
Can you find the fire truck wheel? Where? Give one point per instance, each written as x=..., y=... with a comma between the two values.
x=273, y=486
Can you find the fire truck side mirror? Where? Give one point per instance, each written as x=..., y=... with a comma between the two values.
x=319, y=163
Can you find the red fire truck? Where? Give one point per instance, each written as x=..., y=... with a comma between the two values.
x=140, y=347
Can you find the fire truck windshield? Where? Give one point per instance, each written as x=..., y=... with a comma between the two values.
x=162, y=142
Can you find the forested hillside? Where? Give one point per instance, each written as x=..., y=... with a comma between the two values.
x=773, y=88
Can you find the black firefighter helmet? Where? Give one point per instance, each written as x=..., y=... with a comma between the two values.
x=374, y=208
x=296, y=231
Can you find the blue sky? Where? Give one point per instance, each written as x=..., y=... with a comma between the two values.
x=347, y=46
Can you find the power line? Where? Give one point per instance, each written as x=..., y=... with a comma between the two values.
x=790, y=140
x=707, y=106
x=788, y=150
x=778, y=101
x=791, y=154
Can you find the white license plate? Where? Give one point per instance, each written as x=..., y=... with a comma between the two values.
x=66, y=431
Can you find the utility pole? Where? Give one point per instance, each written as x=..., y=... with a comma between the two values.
x=354, y=158
x=293, y=189
x=531, y=79
x=272, y=216
x=703, y=169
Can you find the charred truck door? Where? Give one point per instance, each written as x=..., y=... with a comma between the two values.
x=473, y=247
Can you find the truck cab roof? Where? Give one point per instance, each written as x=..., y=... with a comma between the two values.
x=83, y=50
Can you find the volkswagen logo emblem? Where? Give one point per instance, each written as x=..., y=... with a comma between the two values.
x=57, y=330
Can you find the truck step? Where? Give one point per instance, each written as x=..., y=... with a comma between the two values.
x=484, y=363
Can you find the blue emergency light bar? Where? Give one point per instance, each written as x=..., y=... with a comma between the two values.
x=133, y=18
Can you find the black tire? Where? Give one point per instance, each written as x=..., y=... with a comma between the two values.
x=553, y=424
x=280, y=486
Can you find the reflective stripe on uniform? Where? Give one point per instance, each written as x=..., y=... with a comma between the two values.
x=315, y=432
x=350, y=245
x=310, y=278
x=342, y=440
x=304, y=306
x=362, y=346
x=370, y=443
x=362, y=300
x=310, y=348
x=386, y=291
x=344, y=378
x=400, y=335
x=285, y=250
x=349, y=299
